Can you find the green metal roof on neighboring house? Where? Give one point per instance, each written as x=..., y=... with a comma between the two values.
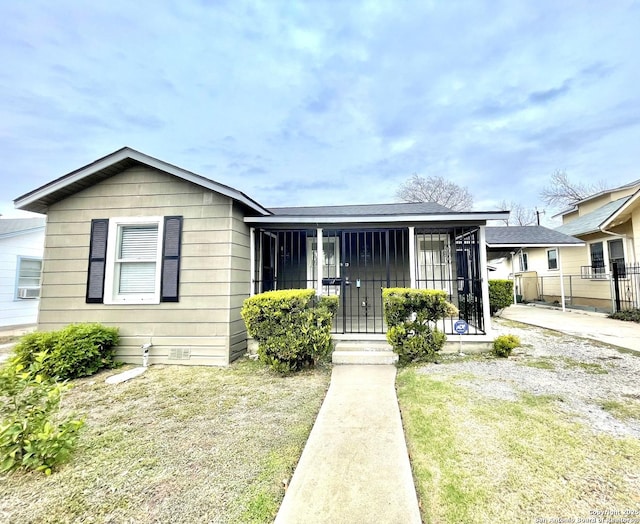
x=591, y=222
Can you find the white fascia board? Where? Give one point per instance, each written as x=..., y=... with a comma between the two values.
x=65, y=181
x=125, y=153
x=479, y=218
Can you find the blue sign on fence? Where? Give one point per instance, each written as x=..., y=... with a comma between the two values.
x=461, y=327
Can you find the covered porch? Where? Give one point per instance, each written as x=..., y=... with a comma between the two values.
x=357, y=262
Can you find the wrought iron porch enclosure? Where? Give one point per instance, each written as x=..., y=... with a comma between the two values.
x=356, y=264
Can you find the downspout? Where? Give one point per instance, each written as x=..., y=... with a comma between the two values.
x=484, y=283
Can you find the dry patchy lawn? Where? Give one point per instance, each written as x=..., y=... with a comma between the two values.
x=178, y=444
x=551, y=433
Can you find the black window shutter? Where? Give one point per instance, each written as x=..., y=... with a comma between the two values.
x=97, y=260
x=170, y=285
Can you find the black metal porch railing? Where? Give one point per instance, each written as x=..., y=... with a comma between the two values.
x=358, y=264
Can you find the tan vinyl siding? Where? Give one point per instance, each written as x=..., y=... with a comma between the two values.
x=215, y=254
x=241, y=278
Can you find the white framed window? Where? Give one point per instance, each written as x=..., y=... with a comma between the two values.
x=552, y=258
x=596, y=254
x=134, y=260
x=28, y=274
x=524, y=261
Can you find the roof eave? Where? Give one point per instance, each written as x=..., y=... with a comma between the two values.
x=22, y=232
x=29, y=201
x=620, y=212
x=530, y=245
x=480, y=218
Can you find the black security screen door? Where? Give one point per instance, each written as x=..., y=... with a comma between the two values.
x=370, y=261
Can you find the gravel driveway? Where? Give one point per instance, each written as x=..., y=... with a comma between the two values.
x=581, y=373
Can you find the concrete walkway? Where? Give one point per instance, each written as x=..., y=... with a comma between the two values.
x=586, y=324
x=355, y=466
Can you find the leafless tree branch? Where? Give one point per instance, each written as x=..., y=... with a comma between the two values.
x=435, y=189
x=562, y=192
x=520, y=215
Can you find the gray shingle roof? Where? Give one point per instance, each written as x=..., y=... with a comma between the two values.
x=527, y=236
x=591, y=222
x=12, y=226
x=417, y=208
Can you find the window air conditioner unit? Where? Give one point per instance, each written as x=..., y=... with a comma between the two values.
x=28, y=292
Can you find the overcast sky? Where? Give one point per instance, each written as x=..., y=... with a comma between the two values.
x=309, y=103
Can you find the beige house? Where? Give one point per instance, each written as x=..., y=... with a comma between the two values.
x=168, y=256
x=609, y=224
x=532, y=256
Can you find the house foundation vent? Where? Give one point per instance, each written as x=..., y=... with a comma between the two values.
x=179, y=353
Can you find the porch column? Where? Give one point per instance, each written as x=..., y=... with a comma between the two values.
x=320, y=260
x=252, y=260
x=412, y=256
x=484, y=283
x=561, y=277
x=513, y=272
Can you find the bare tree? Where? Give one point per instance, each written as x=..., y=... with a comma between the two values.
x=562, y=192
x=435, y=189
x=520, y=215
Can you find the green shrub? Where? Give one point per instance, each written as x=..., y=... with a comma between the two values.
x=78, y=350
x=292, y=327
x=500, y=295
x=504, y=344
x=629, y=315
x=33, y=435
x=411, y=315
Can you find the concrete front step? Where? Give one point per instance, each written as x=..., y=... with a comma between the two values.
x=364, y=357
x=363, y=352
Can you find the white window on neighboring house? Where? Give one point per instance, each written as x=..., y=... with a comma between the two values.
x=28, y=278
x=616, y=252
x=134, y=260
x=552, y=258
x=596, y=253
x=524, y=261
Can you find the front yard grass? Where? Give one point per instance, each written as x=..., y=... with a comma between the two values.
x=478, y=460
x=177, y=444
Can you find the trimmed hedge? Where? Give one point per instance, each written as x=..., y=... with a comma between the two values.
x=292, y=327
x=411, y=315
x=78, y=350
x=500, y=294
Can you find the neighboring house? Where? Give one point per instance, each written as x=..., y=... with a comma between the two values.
x=609, y=224
x=531, y=256
x=168, y=256
x=21, y=248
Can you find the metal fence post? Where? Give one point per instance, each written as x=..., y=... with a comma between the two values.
x=616, y=285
